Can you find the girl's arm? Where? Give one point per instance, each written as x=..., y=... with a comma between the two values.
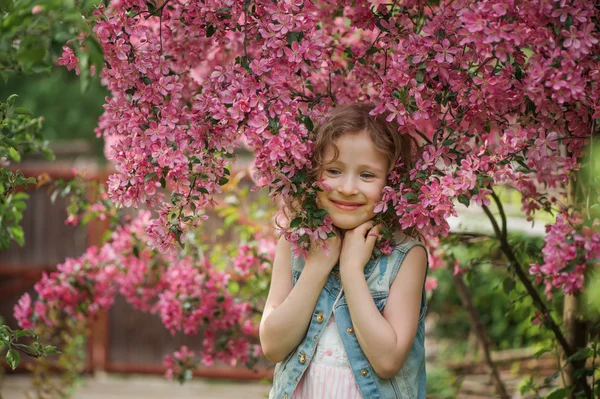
x=288, y=310
x=386, y=339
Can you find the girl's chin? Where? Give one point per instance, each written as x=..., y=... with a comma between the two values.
x=347, y=224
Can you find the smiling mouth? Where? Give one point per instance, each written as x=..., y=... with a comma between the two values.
x=346, y=207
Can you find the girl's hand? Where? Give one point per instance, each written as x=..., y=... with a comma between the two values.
x=358, y=246
x=322, y=258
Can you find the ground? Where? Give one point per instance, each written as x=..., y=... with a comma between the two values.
x=111, y=386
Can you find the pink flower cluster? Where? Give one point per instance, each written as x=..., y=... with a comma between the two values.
x=503, y=86
x=78, y=288
x=571, y=248
x=249, y=261
x=180, y=364
x=188, y=295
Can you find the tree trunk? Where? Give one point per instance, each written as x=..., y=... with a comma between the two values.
x=576, y=334
x=574, y=324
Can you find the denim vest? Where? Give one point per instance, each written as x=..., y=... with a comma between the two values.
x=380, y=272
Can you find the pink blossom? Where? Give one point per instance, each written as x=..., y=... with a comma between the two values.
x=23, y=312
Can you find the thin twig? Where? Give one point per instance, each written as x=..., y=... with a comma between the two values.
x=246, y=5
x=152, y=13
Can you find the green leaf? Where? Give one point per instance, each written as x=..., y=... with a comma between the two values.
x=95, y=51
x=539, y=353
x=23, y=111
x=14, y=154
x=419, y=77
x=210, y=30
x=296, y=222
x=48, y=154
x=13, y=358
x=51, y=350
x=16, y=233
x=411, y=196
x=294, y=37
x=23, y=333
x=569, y=22
x=11, y=99
x=463, y=199
x=308, y=123
x=579, y=355
x=508, y=285
x=149, y=176
x=559, y=393
x=84, y=70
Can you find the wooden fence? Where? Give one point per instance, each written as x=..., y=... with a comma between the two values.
x=123, y=339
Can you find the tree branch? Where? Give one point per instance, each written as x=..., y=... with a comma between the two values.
x=535, y=296
x=502, y=213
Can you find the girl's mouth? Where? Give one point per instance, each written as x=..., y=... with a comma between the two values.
x=346, y=207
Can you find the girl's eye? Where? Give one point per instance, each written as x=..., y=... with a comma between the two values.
x=367, y=176
x=333, y=171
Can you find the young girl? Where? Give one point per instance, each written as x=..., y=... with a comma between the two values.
x=338, y=323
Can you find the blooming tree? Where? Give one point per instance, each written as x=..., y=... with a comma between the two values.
x=499, y=93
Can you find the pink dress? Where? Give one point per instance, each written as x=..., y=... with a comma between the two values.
x=329, y=374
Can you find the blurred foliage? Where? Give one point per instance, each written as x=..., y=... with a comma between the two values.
x=505, y=308
x=442, y=384
x=32, y=34
x=67, y=113
x=19, y=135
x=69, y=335
x=590, y=193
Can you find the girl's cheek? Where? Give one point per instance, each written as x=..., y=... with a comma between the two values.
x=325, y=185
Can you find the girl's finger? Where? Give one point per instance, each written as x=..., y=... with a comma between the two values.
x=364, y=228
x=375, y=231
x=372, y=236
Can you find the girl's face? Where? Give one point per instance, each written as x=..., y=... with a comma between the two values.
x=354, y=181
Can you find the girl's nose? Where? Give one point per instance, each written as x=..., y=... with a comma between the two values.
x=347, y=187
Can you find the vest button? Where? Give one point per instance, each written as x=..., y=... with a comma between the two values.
x=302, y=357
x=284, y=396
x=363, y=372
x=350, y=330
x=320, y=317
